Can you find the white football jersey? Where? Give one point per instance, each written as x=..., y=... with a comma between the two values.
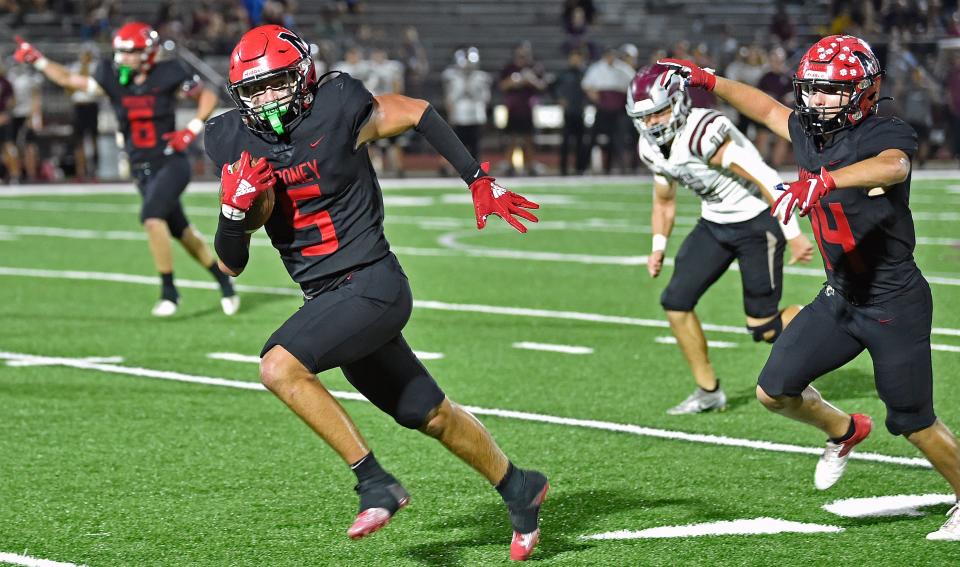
x=725, y=197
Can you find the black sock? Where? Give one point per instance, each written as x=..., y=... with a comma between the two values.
x=510, y=486
x=715, y=388
x=367, y=468
x=226, y=286
x=850, y=431
x=167, y=289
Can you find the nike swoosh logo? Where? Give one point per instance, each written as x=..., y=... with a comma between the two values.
x=834, y=162
x=320, y=139
x=884, y=321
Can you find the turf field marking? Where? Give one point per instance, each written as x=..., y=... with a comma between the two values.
x=565, y=349
x=111, y=359
x=237, y=357
x=713, y=344
x=417, y=303
x=879, y=506
x=945, y=348
x=631, y=429
x=753, y=526
x=27, y=561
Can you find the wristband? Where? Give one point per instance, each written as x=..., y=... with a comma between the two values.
x=195, y=126
x=659, y=243
x=791, y=230
x=40, y=64
x=232, y=213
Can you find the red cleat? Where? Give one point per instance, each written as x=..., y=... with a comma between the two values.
x=833, y=462
x=521, y=547
x=379, y=501
x=371, y=520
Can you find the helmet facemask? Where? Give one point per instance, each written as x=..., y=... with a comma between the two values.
x=280, y=115
x=662, y=133
x=826, y=120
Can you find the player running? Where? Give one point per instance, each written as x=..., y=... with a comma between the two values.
x=702, y=150
x=144, y=95
x=854, y=184
x=308, y=136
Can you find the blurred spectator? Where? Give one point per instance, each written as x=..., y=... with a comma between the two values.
x=572, y=99
x=953, y=102
x=578, y=15
x=630, y=55
x=917, y=97
x=521, y=81
x=747, y=68
x=778, y=83
x=414, y=57
x=699, y=97
x=27, y=117
x=11, y=161
x=780, y=25
x=466, y=94
x=85, y=110
x=605, y=83
x=354, y=64
x=279, y=12
x=386, y=76
x=96, y=22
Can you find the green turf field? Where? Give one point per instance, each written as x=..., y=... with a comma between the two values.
x=101, y=463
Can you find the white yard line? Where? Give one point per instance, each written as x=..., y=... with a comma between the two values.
x=237, y=357
x=752, y=526
x=418, y=303
x=712, y=344
x=546, y=347
x=717, y=440
x=27, y=561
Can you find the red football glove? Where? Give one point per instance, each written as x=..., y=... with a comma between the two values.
x=25, y=52
x=179, y=140
x=240, y=188
x=802, y=195
x=693, y=75
x=492, y=199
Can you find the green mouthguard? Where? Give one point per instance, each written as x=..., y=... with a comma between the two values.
x=271, y=112
x=125, y=73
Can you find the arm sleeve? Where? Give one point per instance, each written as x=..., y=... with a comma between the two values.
x=443, y=139
x=230, y=243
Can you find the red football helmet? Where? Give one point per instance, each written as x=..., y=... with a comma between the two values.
x=653, y=90
x=135, y=37
x=838, y=64
x=272, y=58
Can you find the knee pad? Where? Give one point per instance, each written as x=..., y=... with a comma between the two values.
x=775, y=325
x=905, y=422
x=415, y=406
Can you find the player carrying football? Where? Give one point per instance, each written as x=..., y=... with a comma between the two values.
x=701, y=149
x=144, y=95
x=307, y=136
x=855, y=185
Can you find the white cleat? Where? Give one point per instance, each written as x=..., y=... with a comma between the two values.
x=230, y=305
x=164, y=308
x=950, y=530
x=833, y=462
x=700, y=401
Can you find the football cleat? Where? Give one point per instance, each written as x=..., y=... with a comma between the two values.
x=230, y=305
x=950, y=530
x=164, y=308
x=525, y=515
x=700, y=401
x=832, y=463
x=379, y=501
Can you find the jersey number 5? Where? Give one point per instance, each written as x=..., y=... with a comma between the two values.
x=841, y=236
x=289, y=200
x=143, y=134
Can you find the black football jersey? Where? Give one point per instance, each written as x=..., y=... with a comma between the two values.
x=866, y=241
x=145, y=112
x=328, y=217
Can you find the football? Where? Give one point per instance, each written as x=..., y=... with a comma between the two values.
x=261, y=209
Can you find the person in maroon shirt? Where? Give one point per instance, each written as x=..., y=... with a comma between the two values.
x=521, y=81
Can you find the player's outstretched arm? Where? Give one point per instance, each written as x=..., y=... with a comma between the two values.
x=27, y=53
x=661, y=222
x=394, y=114
x=754, y=103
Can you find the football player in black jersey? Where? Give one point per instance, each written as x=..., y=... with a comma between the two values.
x=144, y=95
x=306, y=135
x=854, y=169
